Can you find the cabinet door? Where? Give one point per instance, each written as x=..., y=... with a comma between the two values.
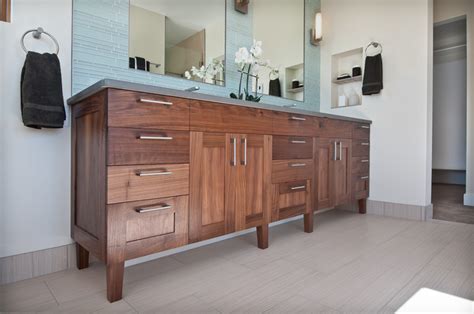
x=253, y=185
x=325, y=156
x=209, y=162
x=342, y=173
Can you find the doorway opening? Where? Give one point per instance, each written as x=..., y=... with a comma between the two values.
x=450, y=121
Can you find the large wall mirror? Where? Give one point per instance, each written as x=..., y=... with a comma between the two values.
x=279, y=25
x=179, y=38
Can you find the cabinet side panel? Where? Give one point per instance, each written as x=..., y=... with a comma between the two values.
x=89, y=173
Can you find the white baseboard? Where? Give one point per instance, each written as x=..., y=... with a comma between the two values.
x=469, y=199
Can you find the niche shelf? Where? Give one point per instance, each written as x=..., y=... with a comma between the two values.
x=343, y=63
x=295, y=72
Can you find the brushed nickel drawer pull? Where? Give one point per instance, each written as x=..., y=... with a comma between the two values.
x=158, y=102
x=297, y=165
x=298, y=142
x=364, y=178
x=364, y=161
x=233, y=162
x=244, y=143
x=340, y=150
x=152, y=209
x=155, y=138
x=365, y=127
x=364, y=144
x=301, y=187
x=153, y=173
x=335, y=150
x=297, y=118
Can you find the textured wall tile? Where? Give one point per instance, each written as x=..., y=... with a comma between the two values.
x=16, y=268
x=375, y=207
x=100, y=50
x=49, y=261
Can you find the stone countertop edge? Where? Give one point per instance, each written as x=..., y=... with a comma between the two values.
x=116, y=84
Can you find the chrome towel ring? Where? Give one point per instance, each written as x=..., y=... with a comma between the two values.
x=37, y=34
x=375, y=45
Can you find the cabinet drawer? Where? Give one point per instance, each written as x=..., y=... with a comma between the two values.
x=291, y=199
x=360, y=187
x=151, y=226
x=292, y=170
x=292, y=147
x=360, y=148
x=360, y=165
x=214, y=117
x=133, y=183
x=140, y=110
x=330, y=128
x=293, y=124
x=142, y=146
x=361, y=131
x=293, y=187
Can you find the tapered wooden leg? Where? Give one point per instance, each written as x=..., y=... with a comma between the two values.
x=115, y=281
x=262, y=236
x=82, y=257
x=363, y=206
x=308, y=223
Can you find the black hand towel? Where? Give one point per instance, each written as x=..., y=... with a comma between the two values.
x=275, y=88
x=373, y=75
x=42, y=102
x=141, y=63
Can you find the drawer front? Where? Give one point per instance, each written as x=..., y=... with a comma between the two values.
x=360, y=187
x=360, y=148
x=150, y=226
x=129, y=109
x=292, y=170
x=292, y=147
x=141, y=146
x=361, y=131
x=294, y=124
x=293, y=187
x=360, y=165
x=335, y=128
x=291, y=199
x=134, y=183
x=214, y=117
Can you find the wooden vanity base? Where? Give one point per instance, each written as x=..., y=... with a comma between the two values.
x=262, y=237
x=362, y=206
x=82, y=257
x=308, y=222
x=115, y=281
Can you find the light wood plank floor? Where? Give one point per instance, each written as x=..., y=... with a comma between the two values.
x=351, y=263
x=448, y=204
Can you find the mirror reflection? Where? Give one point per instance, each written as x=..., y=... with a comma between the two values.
x=179, y=38
x=279, y=25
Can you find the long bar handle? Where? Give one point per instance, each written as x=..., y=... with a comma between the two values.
x=365, y=144
x=298, y=142
x=364, y=161
x=244, y=143
x=153, y=173
x=335, y=150
x=294, y=118
x=158, y=102
x=152, y=209
x=340, y=150
x=297, y=165
x=364, y=178
x=233, y=141
x=301, y=187
x=365, y=127
x=155, y=138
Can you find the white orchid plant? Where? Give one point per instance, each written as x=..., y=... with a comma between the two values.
x=249, y=62
x=206, y=73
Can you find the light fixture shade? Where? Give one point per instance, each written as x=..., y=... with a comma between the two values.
x=318, y=27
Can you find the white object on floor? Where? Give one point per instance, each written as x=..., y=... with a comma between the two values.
x=431, y=301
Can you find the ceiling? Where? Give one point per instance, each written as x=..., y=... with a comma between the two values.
x=185, y=17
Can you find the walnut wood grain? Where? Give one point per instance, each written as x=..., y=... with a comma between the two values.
x=292, y=147
x=360, y=187
x=292, y=170
x=214, y=117
x=361, y=131
x=324, y=194
x=125, y=185
x=82, y=257
x=362, y=203
x=288, y=202
x=360, y=148
x=360, y=165
x=142, y=146
x=343, y=174
x=332, y=128
x=125, y=110
x=294, y=124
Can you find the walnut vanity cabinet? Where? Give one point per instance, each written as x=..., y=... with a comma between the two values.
x=152, y=171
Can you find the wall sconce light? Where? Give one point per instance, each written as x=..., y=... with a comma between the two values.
x=317, y=31
x=242, y=6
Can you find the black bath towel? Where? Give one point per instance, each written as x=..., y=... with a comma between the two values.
x=42, y=102
x=373, y=75
x=275, y=88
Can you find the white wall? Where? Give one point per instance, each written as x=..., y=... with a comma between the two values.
x=35, y=164
x=400, y=140
x=147, y=37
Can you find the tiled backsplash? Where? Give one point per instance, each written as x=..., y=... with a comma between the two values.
x=100, y=50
